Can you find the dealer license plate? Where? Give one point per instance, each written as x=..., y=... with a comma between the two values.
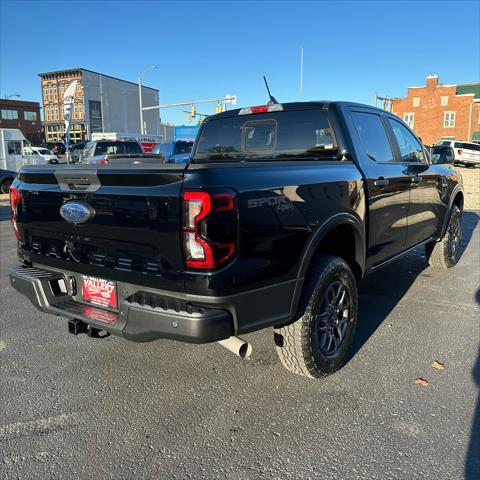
x=99, y=291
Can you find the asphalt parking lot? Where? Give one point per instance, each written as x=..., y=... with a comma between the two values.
x=73, y=407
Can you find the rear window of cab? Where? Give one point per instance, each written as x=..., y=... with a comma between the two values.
x=281, y=135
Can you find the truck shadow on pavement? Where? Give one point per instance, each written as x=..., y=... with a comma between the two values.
x=379, y=294
x=472, y=461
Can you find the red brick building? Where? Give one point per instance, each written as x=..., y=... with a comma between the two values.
x=54, y=85
x=436, y=111
x=22, y=115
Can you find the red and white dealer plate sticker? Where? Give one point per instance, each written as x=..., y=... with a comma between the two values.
x=99, y=291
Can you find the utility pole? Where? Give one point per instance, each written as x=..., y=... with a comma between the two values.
x=301, y=74
x=101, y=105
x=387, y=102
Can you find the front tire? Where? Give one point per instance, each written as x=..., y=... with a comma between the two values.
x=446, y=252
x=317, y=343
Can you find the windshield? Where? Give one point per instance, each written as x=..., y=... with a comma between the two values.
x=115, y=148
x=182, y=148
x=303, y=134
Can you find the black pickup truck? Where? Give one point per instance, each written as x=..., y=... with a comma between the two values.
x=280, y=212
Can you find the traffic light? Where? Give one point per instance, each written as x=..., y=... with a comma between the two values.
x=218, y=108
x=189, y=118
x=194, y=112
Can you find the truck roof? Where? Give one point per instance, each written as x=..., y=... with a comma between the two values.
x=312, y=105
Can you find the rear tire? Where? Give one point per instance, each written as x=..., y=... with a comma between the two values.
x=317, y=343
x=446, y=252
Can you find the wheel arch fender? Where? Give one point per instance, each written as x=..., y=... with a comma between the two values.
x=342, y=219
x=457, y=196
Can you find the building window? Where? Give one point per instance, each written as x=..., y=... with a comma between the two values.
x=9, y=114
x=443, y=101
x=416, y=101
x=449, y=119
x=30, y=116
x=409, y=119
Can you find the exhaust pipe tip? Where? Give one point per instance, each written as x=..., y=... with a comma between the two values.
x=245, y=350
x=237, y=346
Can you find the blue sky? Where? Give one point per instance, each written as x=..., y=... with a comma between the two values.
x=208, y=49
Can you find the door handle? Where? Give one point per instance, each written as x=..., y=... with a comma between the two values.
x=416, y=179
x=381, y=182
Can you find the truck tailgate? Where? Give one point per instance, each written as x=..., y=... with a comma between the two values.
x=132, y=234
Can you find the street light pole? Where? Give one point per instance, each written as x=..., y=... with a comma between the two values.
x=140, y=102
x=12, y=95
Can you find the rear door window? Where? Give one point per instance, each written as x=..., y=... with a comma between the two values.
x=284, y=135
x=468, y=146
x=373, y=136
x=411, y=149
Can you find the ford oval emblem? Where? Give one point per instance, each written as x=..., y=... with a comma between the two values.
x=76, y=212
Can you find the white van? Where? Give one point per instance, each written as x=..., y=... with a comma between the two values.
x=13, y=156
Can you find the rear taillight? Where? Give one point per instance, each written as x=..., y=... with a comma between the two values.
x=104, y=161
x=209, y=229
x=15, y=200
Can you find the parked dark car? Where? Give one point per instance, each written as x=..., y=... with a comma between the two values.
x=280, y=213
x=6, y=179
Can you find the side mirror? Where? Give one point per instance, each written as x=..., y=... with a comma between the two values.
x=442, y=155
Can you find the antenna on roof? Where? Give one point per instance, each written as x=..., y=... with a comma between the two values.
x=272, y=98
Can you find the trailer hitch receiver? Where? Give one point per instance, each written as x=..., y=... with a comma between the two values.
x=76, y=326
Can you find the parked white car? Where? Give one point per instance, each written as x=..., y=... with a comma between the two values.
x=466, y=153
x=43, y=152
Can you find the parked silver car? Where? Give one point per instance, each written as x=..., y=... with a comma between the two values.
x=102, y=151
